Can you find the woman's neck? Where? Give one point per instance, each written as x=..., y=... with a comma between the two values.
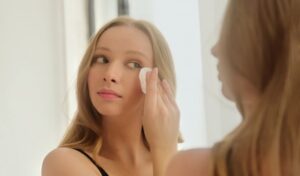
x=123, y=140
x=250, y=103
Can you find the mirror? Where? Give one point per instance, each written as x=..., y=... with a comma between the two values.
x=42, y=43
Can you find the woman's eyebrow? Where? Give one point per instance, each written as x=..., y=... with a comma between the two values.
x=127, y=52
x=138, y=53
x=103, y=48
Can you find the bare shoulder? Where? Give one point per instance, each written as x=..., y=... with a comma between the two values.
x=194, y=162
x=67, y=162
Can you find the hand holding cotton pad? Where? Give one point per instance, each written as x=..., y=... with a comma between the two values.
x=142, y=77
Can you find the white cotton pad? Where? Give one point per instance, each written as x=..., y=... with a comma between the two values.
x=142, y=77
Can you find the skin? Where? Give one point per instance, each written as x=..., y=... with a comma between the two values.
x=197, y=161
x=120, y=53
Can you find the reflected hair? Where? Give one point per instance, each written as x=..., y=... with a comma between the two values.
x=262, y=44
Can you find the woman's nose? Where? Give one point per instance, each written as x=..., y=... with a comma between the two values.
x=112, y=74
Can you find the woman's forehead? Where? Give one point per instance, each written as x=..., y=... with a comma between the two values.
x=125, y=38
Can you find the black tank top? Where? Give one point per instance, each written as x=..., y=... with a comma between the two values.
x=101, y=170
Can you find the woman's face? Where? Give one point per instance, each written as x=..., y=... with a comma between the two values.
x=223, y=71
x=113, y=81
x=233, y=83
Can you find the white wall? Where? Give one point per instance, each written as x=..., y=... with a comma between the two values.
x=32, y=83
x=75, y=43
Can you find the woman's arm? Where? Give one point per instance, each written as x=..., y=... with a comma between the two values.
x=160, y=122
x=194, y=162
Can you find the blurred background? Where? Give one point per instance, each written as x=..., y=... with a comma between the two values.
x=42, y=43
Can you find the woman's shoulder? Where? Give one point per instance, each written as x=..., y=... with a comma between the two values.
x=66, y=162
x=193, y=162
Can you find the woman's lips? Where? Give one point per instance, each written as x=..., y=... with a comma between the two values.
x=108, y=94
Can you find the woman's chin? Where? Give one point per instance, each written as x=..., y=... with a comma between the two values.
x=226, y=93
x=108, y=112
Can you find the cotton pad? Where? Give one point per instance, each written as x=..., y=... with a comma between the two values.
x=142, y=77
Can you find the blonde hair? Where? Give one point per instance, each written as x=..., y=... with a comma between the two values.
x=84, y=131
x=262, y=40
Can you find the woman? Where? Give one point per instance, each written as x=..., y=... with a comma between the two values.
x=259, y=66
x=118, y=130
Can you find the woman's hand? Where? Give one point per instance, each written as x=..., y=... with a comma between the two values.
x=160, y=121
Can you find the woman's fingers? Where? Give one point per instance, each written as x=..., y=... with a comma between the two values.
x=161, y=116
x=151, y=94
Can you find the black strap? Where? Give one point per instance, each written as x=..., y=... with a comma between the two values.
x=102, y=171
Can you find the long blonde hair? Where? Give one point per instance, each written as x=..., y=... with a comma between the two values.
x=263, y=45
x=85, y=130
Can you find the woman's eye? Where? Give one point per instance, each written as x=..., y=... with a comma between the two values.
x=102, y=60
x=134, y=65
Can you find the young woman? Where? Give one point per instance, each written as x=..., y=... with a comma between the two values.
x=118, y=130
x=259, y=67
